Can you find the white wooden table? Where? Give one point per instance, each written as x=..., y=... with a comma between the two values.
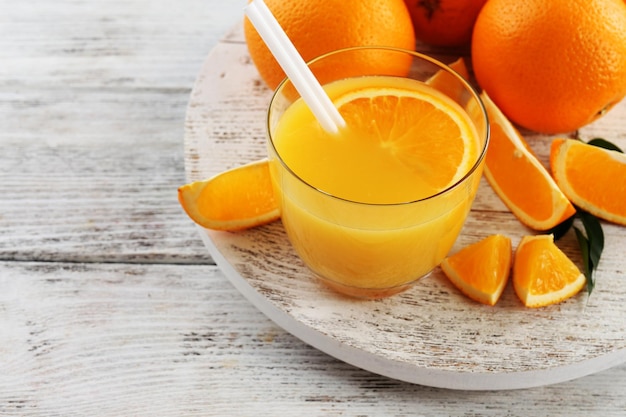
x=109, y=303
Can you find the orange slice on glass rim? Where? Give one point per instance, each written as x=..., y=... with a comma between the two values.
x=419, y=146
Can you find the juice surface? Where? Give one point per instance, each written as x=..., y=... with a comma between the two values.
x=368, y=162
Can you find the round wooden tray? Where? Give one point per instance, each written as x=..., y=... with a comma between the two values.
x=431, y=334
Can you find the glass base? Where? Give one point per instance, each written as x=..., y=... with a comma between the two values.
x=367, y=293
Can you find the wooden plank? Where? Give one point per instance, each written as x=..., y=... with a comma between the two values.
x=92, y=105
x=95, y=203
x=84, y=43
x=137, y=340
x=94, y=180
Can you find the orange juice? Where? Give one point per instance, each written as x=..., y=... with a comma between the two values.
x=378, y=205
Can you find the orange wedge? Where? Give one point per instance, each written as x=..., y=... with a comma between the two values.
x=543, y=274
x=520, y=180
x=236, y=199
x=481, y=270
x=593, y=178
x=447, y=83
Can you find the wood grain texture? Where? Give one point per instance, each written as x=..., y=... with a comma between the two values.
x=164, y=340
x=109, y=303
x=92, y=105
x=96, y=203
x=431, y=334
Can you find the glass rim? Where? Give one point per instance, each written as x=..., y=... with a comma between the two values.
x=415, y=54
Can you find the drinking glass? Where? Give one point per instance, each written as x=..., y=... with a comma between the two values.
x=371, y=250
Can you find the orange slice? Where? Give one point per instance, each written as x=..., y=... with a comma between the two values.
x=520, y=180
x=593, y=178
x=447, y=83
x=481, y=270
x=543, y=274
x=417, y=144
x=236, y=199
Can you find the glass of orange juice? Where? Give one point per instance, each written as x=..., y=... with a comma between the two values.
x=378, y=205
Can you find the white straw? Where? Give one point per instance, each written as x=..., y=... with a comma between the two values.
x=294, y=66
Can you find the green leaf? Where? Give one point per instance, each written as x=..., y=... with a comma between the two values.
x=595, y=236
x=584, y=249
x=561, y=229
x=603, y=143
x=591, y=244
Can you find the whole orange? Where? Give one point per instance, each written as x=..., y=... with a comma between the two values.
x=319, y=26
x=444, y=22
x=551, y=66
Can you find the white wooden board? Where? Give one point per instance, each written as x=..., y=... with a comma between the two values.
x=431, y=334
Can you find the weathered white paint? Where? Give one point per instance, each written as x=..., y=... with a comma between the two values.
x=109, y=303
x=431, y=334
